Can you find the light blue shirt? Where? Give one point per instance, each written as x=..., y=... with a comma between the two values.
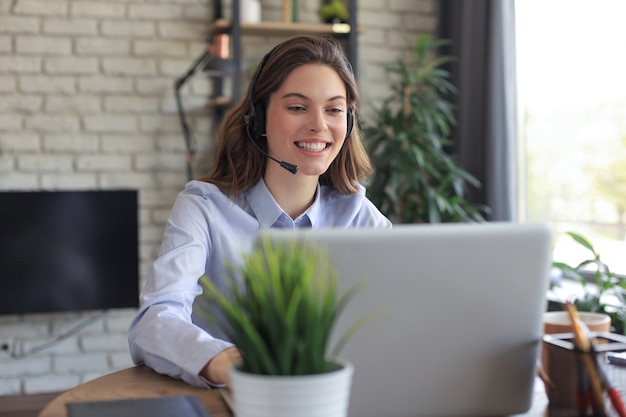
x=205, y=230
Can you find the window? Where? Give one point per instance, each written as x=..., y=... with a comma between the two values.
x=571, y=72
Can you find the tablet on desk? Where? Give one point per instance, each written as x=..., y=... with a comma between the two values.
x=179, y=406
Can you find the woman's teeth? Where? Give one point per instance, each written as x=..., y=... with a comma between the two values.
x=312, y=147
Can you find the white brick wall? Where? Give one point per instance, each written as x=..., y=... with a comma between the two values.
x=86, y=102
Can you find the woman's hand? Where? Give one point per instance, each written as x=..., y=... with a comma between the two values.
x=217, y=370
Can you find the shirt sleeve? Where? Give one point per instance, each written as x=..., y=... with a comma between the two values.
x=162, y=335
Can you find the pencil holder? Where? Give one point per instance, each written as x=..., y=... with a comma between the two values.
x=568, y=377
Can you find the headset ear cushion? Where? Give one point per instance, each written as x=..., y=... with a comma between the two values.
x=255, y=123
x=350, y=118
x=250, y=125
x=259, y=120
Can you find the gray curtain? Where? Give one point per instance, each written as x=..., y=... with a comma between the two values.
x=482, y=35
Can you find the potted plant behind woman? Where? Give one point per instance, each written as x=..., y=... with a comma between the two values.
x=279, y=309
x=416, y=179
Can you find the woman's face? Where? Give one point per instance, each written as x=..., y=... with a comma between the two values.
x=306, y=119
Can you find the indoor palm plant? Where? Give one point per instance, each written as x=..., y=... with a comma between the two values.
x=607, y=295
x=279, y=310
x=416, y=179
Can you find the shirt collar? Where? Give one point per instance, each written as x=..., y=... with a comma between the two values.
x=265, y=208
x=267, y=211
x=314, y=210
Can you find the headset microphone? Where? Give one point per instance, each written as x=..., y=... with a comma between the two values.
x=289, y=167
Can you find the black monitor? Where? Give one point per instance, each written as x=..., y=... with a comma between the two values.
x=66, y=251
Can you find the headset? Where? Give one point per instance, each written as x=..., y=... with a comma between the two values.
x=255, y=121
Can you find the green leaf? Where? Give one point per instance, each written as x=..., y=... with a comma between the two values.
x=583, y=241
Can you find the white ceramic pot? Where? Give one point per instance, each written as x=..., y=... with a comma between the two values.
x=320, y=395
x=559, y=322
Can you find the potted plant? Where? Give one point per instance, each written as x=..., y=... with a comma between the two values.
x=279, y=309
x=416, y=179
x=607, y=285
x=333, y=11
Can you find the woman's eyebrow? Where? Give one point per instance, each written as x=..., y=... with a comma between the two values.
x=304, y=97
x=299, y=95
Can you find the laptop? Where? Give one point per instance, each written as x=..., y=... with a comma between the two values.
x=456, y=315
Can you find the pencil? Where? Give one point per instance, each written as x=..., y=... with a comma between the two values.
x=582, y=394
x=584, y=345
x=614, y=396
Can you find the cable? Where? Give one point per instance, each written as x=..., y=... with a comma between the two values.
x=10, y=350
x=190, y=140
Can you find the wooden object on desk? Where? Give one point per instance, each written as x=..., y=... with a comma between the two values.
x=136, y=382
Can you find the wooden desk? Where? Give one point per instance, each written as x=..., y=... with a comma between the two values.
x=141, y=381
x=137, y=382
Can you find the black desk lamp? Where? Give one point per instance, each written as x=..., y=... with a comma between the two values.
x=214, y=62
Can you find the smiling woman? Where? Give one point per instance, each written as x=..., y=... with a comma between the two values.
x=572, y=107
x=289, y=155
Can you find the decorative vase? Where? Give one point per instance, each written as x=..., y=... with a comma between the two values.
x=326, y=394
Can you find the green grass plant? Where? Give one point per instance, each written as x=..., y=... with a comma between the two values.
x=280, y=307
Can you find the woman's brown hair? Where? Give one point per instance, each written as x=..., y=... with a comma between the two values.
x=239, y=164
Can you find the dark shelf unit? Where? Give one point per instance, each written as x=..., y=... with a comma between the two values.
x=236, y=29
